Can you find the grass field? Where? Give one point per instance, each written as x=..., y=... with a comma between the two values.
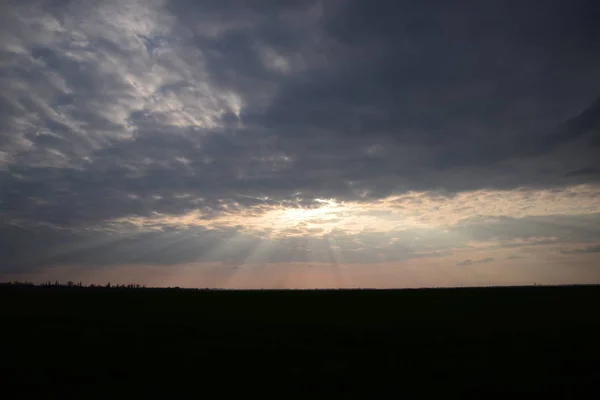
x=478, y=340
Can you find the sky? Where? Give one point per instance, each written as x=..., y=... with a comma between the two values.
x=300, y=144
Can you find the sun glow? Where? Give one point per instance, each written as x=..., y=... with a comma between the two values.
x=328, y=211
x=391, y=214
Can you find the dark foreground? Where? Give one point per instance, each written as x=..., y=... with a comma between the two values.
x=296, y=344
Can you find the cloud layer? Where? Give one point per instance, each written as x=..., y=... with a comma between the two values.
x=168, y=132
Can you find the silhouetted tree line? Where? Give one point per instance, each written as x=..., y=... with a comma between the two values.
x=72, y=284
x=110, y=285
x=81, y=285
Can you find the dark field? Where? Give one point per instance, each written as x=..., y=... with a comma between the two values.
x=295, y=344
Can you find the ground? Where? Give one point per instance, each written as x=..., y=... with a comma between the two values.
x=540, y=340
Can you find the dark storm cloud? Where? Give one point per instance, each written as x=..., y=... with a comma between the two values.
x=127, y=109
x=464, y=81
x=583, y=171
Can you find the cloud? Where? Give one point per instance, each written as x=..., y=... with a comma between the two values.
x=583, y=171
x=585, y=250
x=82, y=78
x=308, y=131
x=285, y=234
x=464, y=211
x=471, y=262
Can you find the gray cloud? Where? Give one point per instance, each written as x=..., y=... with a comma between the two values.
x=134, y=109
x=471, y=262
x=583, y=171
x=30, y=248
x=27, y=249
x=589, y=249
x=543, y=229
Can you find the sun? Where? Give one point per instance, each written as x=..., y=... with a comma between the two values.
x=327, y=211
x=301, y=220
